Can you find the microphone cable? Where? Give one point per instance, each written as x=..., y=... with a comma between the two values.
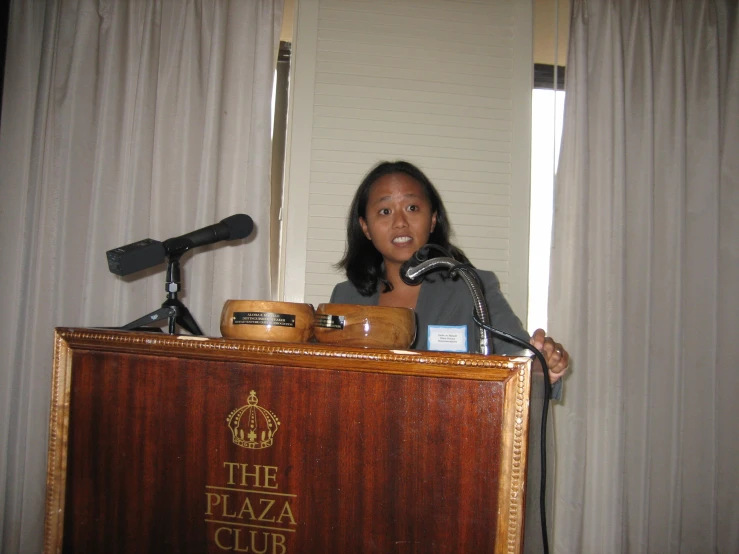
x=545, y=410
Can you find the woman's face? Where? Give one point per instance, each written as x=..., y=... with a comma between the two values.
x=398, y=218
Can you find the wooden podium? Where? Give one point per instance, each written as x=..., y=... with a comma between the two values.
x=163, y=443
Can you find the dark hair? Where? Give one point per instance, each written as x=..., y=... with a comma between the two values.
x=362, y=261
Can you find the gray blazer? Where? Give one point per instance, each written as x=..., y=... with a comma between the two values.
x=448, y=302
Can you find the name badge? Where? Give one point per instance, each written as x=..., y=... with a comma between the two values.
x=447, y=338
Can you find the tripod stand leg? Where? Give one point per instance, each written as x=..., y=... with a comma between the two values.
x=148, y=319
x=187, y=322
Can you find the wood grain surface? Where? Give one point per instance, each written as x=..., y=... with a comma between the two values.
x=376, y=451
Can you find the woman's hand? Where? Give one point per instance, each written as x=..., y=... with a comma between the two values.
x=554, y=353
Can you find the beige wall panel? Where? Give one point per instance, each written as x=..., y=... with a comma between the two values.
x=443, y=84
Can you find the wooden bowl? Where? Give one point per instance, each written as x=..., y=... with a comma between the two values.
x=367, y=326
x=267, y=321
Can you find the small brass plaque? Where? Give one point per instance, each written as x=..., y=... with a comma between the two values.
x=263, y=318
x=328, y=321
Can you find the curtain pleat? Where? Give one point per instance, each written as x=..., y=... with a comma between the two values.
x=643, y=259
x=725, y=477
x=121, y=121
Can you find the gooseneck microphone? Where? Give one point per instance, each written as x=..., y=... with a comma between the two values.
x=147, y=253
x=420, y=263
x=411, y=272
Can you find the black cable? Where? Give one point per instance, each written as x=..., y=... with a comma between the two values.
x=545, y=409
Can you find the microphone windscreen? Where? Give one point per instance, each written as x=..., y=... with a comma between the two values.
x=239, y=226
x=418, y=257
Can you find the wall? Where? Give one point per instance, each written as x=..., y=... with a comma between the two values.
x=443, y=84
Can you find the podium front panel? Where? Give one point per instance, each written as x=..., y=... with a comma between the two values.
x=176, y=444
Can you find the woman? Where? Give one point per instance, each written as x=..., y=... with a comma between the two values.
x=396, y=211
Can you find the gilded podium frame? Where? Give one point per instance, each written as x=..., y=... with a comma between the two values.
x=401, y=451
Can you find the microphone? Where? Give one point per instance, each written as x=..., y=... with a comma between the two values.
x=147, y=253
x=418, y=257
x=234, y=227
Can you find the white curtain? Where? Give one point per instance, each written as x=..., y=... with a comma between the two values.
x=120, y=121
x=645, y=266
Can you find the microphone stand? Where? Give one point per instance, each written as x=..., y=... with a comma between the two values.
x=470, y=278
x=172, y=308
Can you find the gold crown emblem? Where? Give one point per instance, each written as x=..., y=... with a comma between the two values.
x=253, y=426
